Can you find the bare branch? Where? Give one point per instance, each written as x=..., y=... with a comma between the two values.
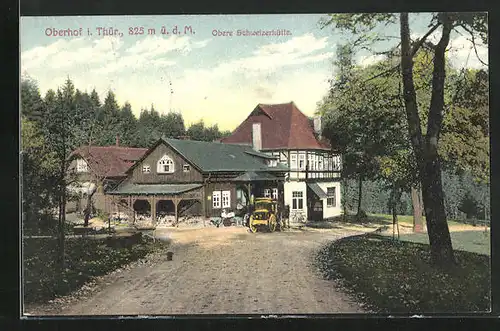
x=473, y=43
x=416, y=47
x=419, y=43
x=386, y=72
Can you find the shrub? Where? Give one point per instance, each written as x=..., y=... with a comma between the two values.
x=392, y=276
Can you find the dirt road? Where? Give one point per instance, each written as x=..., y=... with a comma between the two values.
x=224, y=271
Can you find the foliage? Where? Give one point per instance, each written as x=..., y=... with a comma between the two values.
x=198, y=131
x=398, y=277
x=464, y=144
x=39, y=170
x=455, y=186
x=424, y=143
x=86, y=258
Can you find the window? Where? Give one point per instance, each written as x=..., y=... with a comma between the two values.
x=302, y=161
x=336, y=163
x=267, y=193
x=81, y=165
x=165, y=165
x=186, y=168
x=331, y=200
x=275, y=193
x=272, y=163
x=293, y=161
x=226, y=199
x=146, y=169
x=297, y=200
x=216, y=199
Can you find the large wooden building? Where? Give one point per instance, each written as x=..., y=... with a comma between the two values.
x=181, y=177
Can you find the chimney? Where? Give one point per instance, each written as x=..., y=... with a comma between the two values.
x=256, y=137
x=117, y=141
x=317, y=126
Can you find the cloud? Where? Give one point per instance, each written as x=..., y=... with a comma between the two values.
x=368, y=60
x=67, y=53
x=433, y=37
x=154, y=45
x=223, y=93
x=462, y=53
x=108, y=52
x=460, y=49
x=270, y=58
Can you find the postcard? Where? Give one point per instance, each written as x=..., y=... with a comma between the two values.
x=276, y=165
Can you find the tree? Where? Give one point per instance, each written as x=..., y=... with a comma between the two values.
x=127, y=126
x=60, y=136
x=464, y=142
x=424, y=144
x=31, y=101
x=196, y=131
x=38, y=172
x=360, y=119
x=109, y=120
x=172, y=125
x=149, y=127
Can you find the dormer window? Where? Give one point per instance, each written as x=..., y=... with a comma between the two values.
x=81, y=166
x=165, y=165
x=146, y=169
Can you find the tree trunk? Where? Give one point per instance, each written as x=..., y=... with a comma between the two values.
x=360, y=194
x=426, y=154
x=395, y=198
x=344, y=198
x=394, y=218
x=418, y=225
x=88, y=209
x=60, y=227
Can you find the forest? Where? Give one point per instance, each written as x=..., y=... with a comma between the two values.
x=55, y=124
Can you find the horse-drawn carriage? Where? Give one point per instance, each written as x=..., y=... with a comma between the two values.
x=266, y=215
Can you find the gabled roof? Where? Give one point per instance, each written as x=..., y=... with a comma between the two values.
x=109, y=161
x=217, y=157
x=283, y=126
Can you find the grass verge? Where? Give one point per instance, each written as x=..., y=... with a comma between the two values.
x=85, y=258
x=397, y=277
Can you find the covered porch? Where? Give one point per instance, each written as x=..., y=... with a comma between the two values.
x=259, y=184
x=151, y=202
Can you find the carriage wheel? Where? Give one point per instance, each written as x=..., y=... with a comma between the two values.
x=251, y=226
x=272, y=223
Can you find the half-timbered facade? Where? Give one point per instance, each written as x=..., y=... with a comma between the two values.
x=312, y=184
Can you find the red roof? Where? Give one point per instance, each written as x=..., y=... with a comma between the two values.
x=110, y=161
x=283, y=126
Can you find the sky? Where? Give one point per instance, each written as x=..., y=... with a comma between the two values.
x=201, y=68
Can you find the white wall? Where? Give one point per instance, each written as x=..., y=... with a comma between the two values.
x=289, y=187
x=331, y=211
